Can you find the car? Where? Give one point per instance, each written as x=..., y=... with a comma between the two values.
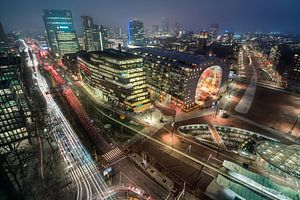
x=136, y=190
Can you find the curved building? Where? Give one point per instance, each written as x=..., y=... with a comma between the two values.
x=180, y=78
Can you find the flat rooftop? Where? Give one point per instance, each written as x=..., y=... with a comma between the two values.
x=176, y=56
x=114, y=54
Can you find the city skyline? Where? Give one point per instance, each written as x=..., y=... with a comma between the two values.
x=246, y=16
x=153, y=100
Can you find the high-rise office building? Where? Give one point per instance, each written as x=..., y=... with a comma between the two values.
x=202, y=39
x=227, y=38
x=61, y=34
x=213, y=31
x=295, y=70
x=117, y=77
x=15, y=115
x=165, y=25
x=94, y=35
x=155, y=29
x=136, y=35
x=3, y=39
x=177, y=29
x=87, y=22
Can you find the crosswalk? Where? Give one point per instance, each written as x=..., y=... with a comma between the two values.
x=112, y=154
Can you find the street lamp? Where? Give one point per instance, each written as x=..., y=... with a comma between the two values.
x=295, y=123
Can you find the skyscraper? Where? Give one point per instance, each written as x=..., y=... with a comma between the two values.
x=94, y=36
x=136, y=35
x=165, y=25
x=61, y=34
x=3, y=39
x=214, y=31
x=177, y=29
x=87, y=22
x=155, y=29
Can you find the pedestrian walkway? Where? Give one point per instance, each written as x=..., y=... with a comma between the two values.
x=247, y=99
x=112, y=154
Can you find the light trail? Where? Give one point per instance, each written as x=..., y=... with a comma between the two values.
x=79, y=163
x=238, y=179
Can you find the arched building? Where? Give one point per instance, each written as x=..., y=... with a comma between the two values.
x=180, y=78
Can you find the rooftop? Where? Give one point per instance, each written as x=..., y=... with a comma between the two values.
x=176, y=56
x=114, y=54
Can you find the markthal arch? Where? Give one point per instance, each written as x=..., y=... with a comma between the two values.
x=209, y=82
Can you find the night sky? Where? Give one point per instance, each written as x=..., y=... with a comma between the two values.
x=233, y=15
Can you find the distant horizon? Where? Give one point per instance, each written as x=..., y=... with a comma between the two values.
x=193, y=15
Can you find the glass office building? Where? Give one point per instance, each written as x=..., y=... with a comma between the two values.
x=136, y=35
x=15, y=115
x=116, y=77
x=94, y=35
x=60, y=31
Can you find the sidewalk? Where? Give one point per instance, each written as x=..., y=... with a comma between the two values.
x=148, y=119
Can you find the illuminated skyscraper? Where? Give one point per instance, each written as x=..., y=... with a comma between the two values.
x=87, y=22
x=94, y=35
x=165, y=25
x=61, y=34
x=3, y=39
x=136, y=35
x=214, y=31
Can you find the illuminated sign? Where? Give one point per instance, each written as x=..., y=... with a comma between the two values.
x=62, y=27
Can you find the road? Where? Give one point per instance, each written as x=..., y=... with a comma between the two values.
x=79, y=164
x=208, y=166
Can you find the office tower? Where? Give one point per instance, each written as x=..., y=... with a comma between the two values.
x=136, y=35
x=165, y=25
x=61, y=34
x=117, y=77
x=213, y=31
x=3, y=39
x=177, y=29
x=94, y=37
x=155, y=29
x=15, y=115
x=295, y=70
x=87, y=22
x=227, y=38
x=203, y=39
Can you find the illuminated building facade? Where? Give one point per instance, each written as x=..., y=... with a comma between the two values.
x=182, y=79
x=3, y=39
x=94, y=35
x=116, y=77
x=213, y=31
x=202, y=39
x=136, y=35
x=295, y=71
x=61, y=34
x=15, y=115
